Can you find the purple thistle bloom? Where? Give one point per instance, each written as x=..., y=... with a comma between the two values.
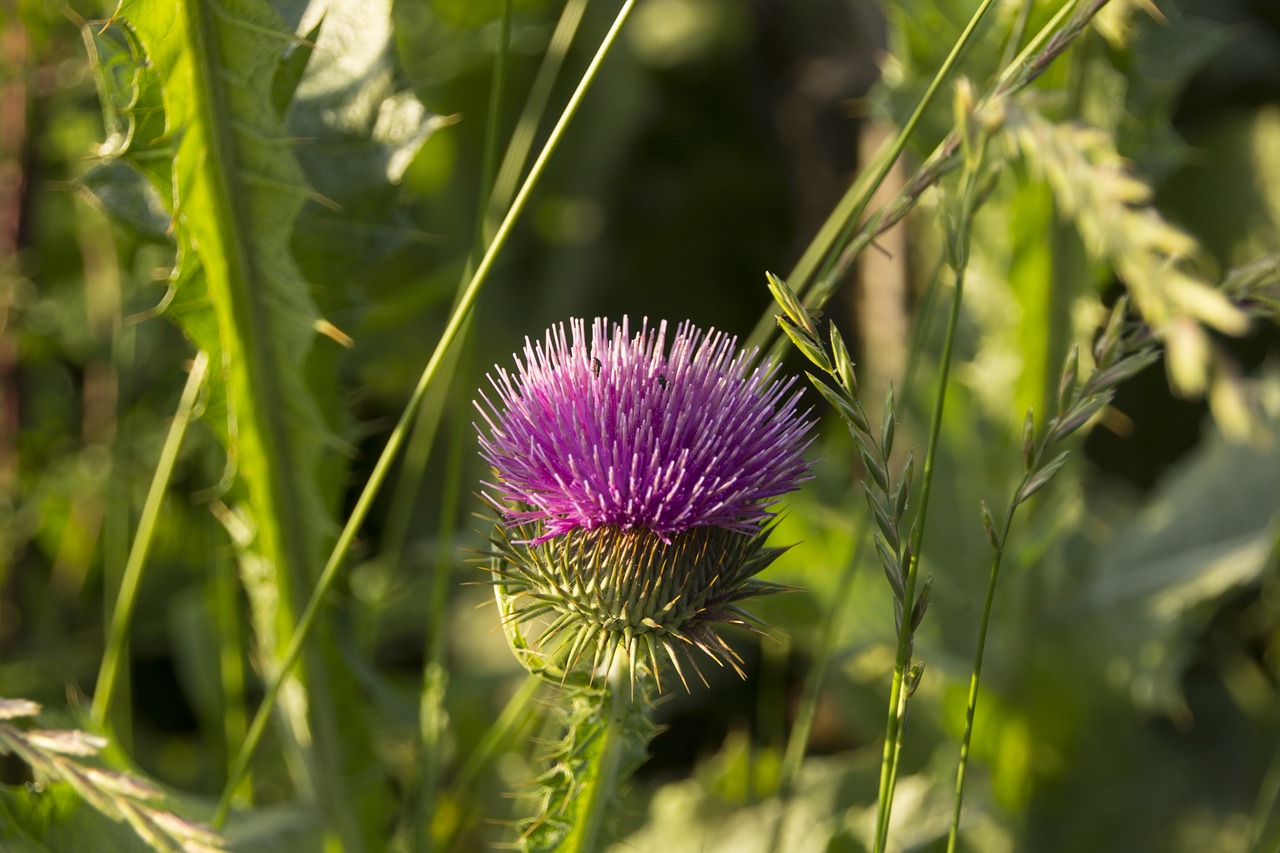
x=612, y=430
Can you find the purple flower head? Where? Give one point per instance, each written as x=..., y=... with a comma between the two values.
x=611, y=429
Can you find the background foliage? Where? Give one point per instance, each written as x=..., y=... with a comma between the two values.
x=1130, y=695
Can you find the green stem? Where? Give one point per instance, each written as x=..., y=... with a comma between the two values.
x=899, y=689
x=798, y=741
x=958, y=256
x=399, y=434
x=601, y=790
x=126, y=598
x=975, y=677
x=435, y=674
x=853, y=205
x=539, y=93
x=515, y=717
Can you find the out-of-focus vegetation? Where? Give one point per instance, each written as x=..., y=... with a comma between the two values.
x=1131, y=690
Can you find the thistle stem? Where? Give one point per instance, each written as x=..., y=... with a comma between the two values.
x=601, y=789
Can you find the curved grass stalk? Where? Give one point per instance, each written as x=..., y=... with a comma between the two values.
x=905, y=675
x=127, y=596
x=517, y=152
x=435, y=677
x=418, y=451
x=1119, y=355
x=1046, y=46
x=900, y=687
x=839, y=226
x=400, y=433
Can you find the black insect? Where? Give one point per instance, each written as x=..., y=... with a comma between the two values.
x=595, y=367
x=662, y=380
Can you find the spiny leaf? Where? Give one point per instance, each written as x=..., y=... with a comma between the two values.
x=363, y=128
x=236, y=192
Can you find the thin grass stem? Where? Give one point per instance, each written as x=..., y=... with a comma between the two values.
x=418, y=452
x=839, y=226
x=398, y=435
x=431, y=713
x=435, y=674
x=127, y=597
x=974, y=679
x=898, y=693
x=900, y=689
x=798, y=741
x=535, y=106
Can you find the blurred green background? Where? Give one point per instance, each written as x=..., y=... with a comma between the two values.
x=1132, y=690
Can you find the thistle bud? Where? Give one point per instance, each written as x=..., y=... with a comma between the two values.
x=635, y=511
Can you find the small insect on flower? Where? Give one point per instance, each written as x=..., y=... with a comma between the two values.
x=634, y=484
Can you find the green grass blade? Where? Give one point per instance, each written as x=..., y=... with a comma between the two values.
x=517, y=152
x=127, y=596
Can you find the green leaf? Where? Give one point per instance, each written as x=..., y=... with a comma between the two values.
x=129, y=197
x=362, y=128
x=134, y=182
x=237, y=191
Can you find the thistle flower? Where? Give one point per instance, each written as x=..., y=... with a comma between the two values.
x=634, y=485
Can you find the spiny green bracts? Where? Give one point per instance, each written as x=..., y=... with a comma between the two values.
x=596, y=591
